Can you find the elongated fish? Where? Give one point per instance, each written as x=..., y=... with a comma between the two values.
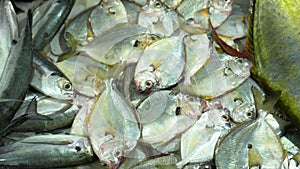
x=16, y=76
x=48, y=24
x=9, y=30
x=44, y=151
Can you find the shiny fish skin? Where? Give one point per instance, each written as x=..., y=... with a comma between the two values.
x=8, y=29
x=161, y=64
x=106, y=41
x=17, y=72
x=112, y=126
x=44, y=151
x=198, y=143
x=50, y=80
x=251, y=144
x=61, y=114
x=222, y=69
x=49, y=24
x=107, y=15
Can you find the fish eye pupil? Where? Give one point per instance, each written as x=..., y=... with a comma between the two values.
x=148, y=84
x=249, y=146
x=158, y=4
x=249, y=114
x=77, y=148
x=67, y=86
x=225, y=117
x=117, y=153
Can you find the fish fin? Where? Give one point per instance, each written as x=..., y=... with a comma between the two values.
x=258, y=98
x=90, y=33
x=31, y=113
x=270, y=101
x=72, y=46
x=254, y=158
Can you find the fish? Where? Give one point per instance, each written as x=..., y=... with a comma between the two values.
x=50, y=80
x=9, y=31
x=197, y=54
x=112, y=126
x=14, y=81
x=159, y=119
x=222, y=69
x=107, y=15
x=52, y=151
x=161, y=64
x=45, y=28
x=248, y=145
x=198, y=142
x=158, y=18
x=98, y=48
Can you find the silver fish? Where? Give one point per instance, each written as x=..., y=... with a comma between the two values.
x=9, y=30
x=48, y=79
x=44, y=151
x=112, y=126
x=224, y=70
x=158, y=18
x=198, y=143
x=15, y=78
x=108, y=14
x=46, y=27
x=248, y=145
x=161, y=123
x=161, y=64
x=98, y=48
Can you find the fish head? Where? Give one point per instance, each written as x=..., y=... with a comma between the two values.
x=112, y=153
x=145, y=81
x=60, y=87
x=154, y=7
x=244, y=112
x=83, y=147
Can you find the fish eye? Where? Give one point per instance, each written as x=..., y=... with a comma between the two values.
x=77, y=148
x=249, y=114
x=225, y=117
x=111, y=11
x=153, y=37
x=158, y=4
x=118, y=153
x=67, y=86
x=149, y=84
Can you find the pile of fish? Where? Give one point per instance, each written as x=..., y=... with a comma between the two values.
x=135, y=84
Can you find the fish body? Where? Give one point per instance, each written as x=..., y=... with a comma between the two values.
x=161, y=64
x=252, y=144
x=198, y=142
x=47, y=26
x=16, y=76
x=9, y=30
x=112, y=126
x=44, y=151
